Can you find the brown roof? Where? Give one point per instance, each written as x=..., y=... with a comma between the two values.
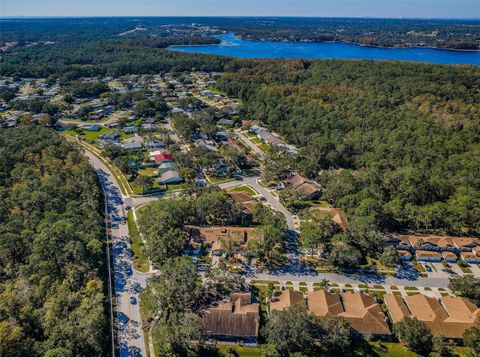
x=304, y=185
x=360, y=310
x=240, y=196
x=323, y=303
x=212, y=234
x=447, y=254
x=245, y=199
x=338, y=216
x=237, y=318
x=439, y=241
x=450, y=316
x=286, y=299
x=427, y=253
x=468, y=254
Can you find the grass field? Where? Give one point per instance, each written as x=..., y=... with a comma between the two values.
x=140, y=260
x=390, y=349
x=243, y=188
x=243, y=351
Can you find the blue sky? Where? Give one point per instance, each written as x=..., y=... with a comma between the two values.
x=347, y=8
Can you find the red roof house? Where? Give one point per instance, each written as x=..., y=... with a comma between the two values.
x=160, y=159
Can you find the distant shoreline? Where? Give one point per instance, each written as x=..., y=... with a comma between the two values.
x=331, y=42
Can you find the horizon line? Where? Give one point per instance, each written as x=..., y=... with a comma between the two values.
x=19, y=17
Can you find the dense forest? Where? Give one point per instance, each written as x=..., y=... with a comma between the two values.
x=52, y=300
x=406, y=136
x=57, y=47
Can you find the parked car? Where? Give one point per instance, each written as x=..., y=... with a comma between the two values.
x=133, y=300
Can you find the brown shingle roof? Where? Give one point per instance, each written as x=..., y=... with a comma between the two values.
x=286, y=299
x=439, y=241
x=237, y=318
x=450, y=316
x=360, y=310
x=212, y=234
x=427, y=253
x=323, y=303
x=338, y=216
x=304, y=185
x=245, y=199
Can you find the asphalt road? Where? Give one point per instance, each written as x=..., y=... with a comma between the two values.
x=269, y=197
x=127, y=282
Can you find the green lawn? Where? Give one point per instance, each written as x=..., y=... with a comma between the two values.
x=243, y=351
x=93, y=135
x=147, y=172
x=390, y=349
x=265, y=147
x=243, y=188
x=217, y=180
x=140, y=260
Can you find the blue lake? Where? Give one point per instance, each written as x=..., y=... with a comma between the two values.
x=236, y=47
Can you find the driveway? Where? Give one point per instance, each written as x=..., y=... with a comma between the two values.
x=250, y=143
x=269, y=197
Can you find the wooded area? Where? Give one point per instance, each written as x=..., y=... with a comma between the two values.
x=406, y=136
x=52, y=299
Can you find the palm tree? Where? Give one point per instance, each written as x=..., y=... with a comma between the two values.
x=324, y=284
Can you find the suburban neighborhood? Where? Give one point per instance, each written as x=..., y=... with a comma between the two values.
x=243, y=216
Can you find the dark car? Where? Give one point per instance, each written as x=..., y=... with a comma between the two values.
x=133, y=300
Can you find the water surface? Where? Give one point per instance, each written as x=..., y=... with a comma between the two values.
x=236, y=47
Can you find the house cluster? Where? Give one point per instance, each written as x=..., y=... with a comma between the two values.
x=217, y=240
x=271, y=138
x=166, y=169
x=239, y=319
x=449, y=316
x=430, y=248
x=236, y=320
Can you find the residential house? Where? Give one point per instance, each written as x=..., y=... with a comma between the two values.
x=177, y=110
x=170, y=177
x=111, y=136
x=149, y=127
x=308, y=188
x=154, y=144
x=166, y=166
x=245, y=200
x=435, y=248
x=337, y=215
x=91, y=127
x=161, y=158
x=217, y=238
x=471, y=257
x=405, y=255
x=221, y=135
x=286, y=299
x=360, y=310
x=225, y=122
x=132, y=129
x=428, y=256
x=207, y=93
x=236, y=320
x=132, y=146
x=449, y=316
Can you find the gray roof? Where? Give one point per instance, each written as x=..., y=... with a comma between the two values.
x=132, y=146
